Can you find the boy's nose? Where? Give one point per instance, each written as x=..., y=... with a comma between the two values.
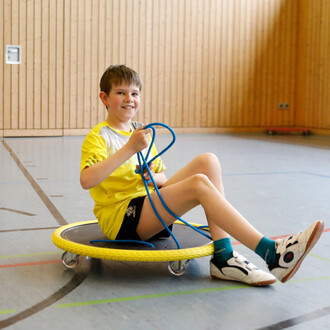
x=128, y=97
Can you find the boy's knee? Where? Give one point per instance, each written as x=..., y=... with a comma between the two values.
x=208, y=160
x=200, y=181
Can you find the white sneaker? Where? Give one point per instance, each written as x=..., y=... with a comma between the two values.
x=239, y=269
x=291, y=251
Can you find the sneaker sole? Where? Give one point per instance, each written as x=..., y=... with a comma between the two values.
x=310, y=244
x=263, y=283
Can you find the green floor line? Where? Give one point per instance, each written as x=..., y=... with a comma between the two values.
x=7, y=311
x=318, y=257
x=177, y=293
x=149, y=296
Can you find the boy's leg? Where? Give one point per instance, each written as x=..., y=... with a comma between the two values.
x=181, y=197
x=209, y=165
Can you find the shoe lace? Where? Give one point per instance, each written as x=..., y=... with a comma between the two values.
x=283, y=244
x=244, y=262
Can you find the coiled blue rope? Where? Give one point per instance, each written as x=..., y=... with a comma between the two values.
x=144, y=164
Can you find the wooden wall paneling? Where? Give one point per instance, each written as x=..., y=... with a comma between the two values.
x=234, y=68
x=317, y=30
x=255, y=88
x=326, y=103
x=162, y=58
x=197, y=46
x=203, y=64
x=312, y=28
x=168, y=69
x=211, y=94
x=122, y=31
x=188, y=94
x=7, y=68
x=52, y=69
x=128, y=22
x=102, y=63
x=242, y=55
x=73, y=63
x=37, y=66
x=22, y=67
x=223, y=5
x=146, y=62
x=154, y=104
x=79, y=109
x=29, y=62
x=45, y=44
x=2, y=55
x=249, y=33
x=14, y=67
x=86, y=110
x=318, y=100
x=177, y=64
x=324, y=66
x=116, y=32
x=228, y=75
x=97, y=108
x=139, y=48
x=275, y=67
x=207, y=108
x=261, y=61
x=59, y=65
x=66, y=64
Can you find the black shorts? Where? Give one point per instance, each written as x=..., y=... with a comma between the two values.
x=131, y=221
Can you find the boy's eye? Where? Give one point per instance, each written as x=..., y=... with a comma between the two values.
x=135, y=94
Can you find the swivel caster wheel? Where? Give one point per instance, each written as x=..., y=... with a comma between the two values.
x=178, y=267
x=70, y=260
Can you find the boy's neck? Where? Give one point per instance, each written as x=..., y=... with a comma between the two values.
x=126, y=126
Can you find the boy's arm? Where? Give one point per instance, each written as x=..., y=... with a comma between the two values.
x=159, y=177
x=94, y=175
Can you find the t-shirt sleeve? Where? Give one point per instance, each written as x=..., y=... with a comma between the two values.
x=94, y=150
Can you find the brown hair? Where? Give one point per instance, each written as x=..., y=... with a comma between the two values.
x=114, y=75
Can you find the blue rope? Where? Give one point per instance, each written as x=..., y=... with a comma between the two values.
x=146, y=165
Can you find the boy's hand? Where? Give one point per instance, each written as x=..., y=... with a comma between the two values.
x=139, y=140
x=146, y=173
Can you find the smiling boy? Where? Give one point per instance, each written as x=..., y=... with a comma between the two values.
x=108, y=166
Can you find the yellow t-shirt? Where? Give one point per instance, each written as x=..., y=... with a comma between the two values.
x=113, y=195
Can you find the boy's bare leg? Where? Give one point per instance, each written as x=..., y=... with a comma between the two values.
x=183, y=196
x=209, y=165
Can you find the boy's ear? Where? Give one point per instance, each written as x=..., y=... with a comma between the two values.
x=104, y=98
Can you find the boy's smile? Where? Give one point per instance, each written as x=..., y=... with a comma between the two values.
x=123, y=103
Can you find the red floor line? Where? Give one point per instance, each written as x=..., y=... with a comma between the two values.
x=58, y=260
x=31, y=263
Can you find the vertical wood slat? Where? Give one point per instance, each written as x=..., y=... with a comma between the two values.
x=1, y=70
x=204, y=63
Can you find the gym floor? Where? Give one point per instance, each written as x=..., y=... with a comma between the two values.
x=280, y=183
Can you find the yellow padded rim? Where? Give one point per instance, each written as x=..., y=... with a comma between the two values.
x=128, y=255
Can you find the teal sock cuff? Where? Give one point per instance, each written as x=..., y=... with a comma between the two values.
x=266, y=249
x=223, y=249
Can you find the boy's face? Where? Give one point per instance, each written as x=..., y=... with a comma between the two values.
x=123, y=102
